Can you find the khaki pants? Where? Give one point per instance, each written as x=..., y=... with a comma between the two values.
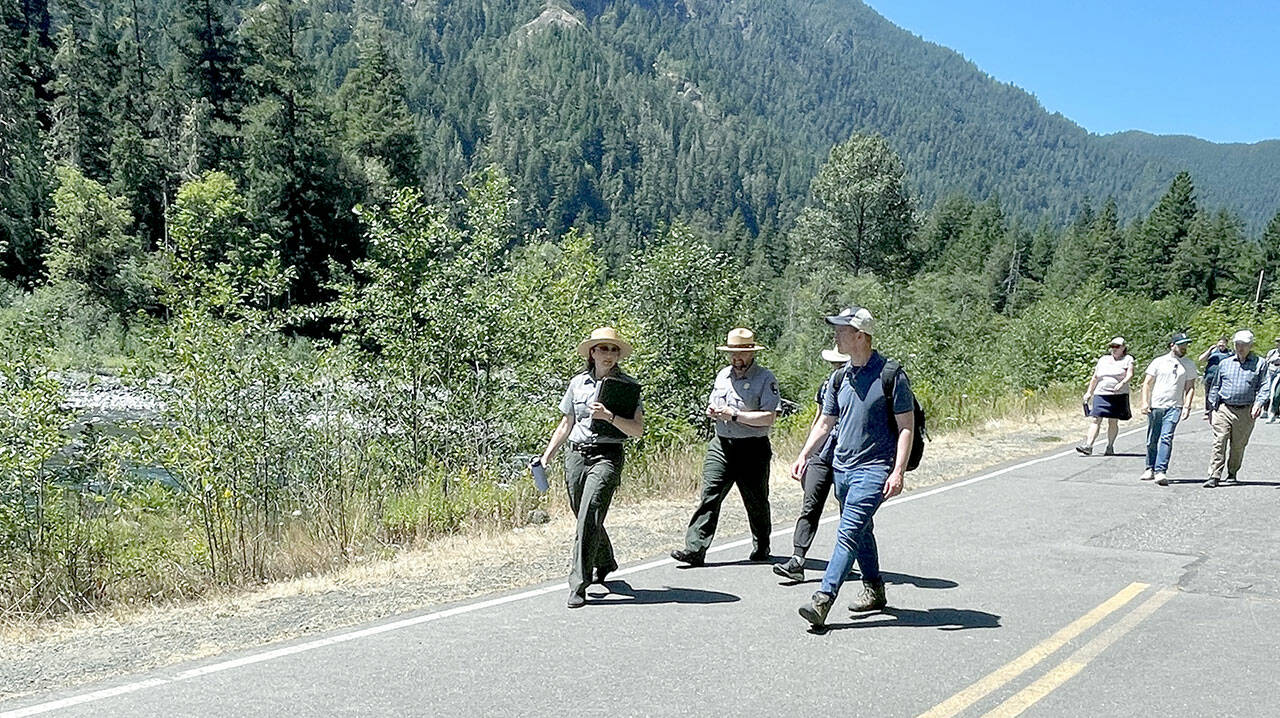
x=1231, y=425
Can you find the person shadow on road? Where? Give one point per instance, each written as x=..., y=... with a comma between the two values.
x=943, y=619
x=622, y=593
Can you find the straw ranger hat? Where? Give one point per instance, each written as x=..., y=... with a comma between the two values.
x=740, y=340
x=834, y=355
x=605, y=335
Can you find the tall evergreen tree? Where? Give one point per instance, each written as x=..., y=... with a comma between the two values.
x=1269, y=258
x=376, y=122
x=24, y=175
x=1075, y=260
x=1162, y=234
x=941, y=230
x=1212, y=260
x=210, y=73
x=293, y=171
x=1109, y=240
x=86, y=73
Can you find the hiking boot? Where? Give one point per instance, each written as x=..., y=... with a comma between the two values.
x=1109, y=451
x=792, y=570
x=1147, y=475
x=576, y=600
x=1085, y=450
x=1231, y=481
x=1212, y=483
x=1161, y=479
x=816, y=610
x=872, y=598
x=760, y=555
x=689, y=558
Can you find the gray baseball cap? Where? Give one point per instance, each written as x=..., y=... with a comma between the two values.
x=857, y=317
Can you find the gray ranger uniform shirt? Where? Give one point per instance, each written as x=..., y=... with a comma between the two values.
x=582, y=392
x=757, y=391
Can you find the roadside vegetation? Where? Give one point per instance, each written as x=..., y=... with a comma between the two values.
x=284, y=438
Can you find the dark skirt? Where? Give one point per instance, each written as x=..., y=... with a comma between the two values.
x=1111, y=406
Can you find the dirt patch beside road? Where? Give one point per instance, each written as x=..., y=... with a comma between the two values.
x=78, y=650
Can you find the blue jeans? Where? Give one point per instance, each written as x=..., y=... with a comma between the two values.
x=1161, y=424
x=860, y=492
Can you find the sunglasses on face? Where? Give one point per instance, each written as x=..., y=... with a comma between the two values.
x=608, y=348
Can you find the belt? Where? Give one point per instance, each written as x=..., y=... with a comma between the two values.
x=585, y=448
x=1237, y=406
x=743, y=439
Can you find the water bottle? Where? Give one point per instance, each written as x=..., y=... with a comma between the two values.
x=539, y=475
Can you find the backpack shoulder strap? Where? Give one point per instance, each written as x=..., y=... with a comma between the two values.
x=839, y=379
x=889, y=377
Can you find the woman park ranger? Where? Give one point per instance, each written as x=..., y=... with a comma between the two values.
x=593, y=462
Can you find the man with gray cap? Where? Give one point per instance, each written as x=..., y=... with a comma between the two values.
x=744, y=403
x=1236, y=396
x=873, y=446
x=1167, y=393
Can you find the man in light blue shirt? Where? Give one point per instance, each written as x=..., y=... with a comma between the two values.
x=1236, y=398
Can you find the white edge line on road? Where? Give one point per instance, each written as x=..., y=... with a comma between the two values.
x=220, y=666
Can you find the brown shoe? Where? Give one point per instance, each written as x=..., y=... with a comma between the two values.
x=816, y=610
x=872, y=598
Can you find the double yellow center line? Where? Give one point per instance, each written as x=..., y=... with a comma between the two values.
x=1063, y=672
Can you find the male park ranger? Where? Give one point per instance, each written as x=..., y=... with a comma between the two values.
x=871, y=456
x=744, y=403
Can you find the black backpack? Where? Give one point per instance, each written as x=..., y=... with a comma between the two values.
x=888, y=381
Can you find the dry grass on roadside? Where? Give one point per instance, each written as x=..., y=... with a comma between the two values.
x=650, y=510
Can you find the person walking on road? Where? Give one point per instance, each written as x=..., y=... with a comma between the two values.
x=593, y=463
x=1108, y=396
x=1273, y=378
x=873, y=445
x=744, y=404
x=1167, y=393
x=1212, y=357
x=816, y=480
x=1237, y=397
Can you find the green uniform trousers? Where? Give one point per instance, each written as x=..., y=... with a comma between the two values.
x=592, y=475
x=729, y=462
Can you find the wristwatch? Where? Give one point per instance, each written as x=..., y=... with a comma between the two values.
x=734, y=418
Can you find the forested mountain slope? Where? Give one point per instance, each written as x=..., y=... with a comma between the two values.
x=619, y=116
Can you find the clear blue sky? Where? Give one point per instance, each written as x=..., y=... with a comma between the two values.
x=1209, y=69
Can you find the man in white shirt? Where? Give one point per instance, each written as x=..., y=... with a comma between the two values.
x=1167, y=392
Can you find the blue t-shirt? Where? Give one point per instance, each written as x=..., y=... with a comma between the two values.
x=862, y=431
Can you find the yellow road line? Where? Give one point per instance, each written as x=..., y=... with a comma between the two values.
x=1076, y=662
x=1042, y=650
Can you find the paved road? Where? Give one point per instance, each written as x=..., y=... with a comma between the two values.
x=1058, y=587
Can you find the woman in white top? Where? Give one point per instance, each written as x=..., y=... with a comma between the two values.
x=1108, y=396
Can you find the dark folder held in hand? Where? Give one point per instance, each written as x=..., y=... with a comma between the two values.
x=621, y=397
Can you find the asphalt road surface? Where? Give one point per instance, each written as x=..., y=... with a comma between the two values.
x=1060, y=586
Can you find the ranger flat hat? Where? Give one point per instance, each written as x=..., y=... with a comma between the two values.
x=834, y=355
x=740, y=340
x=605, y=335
